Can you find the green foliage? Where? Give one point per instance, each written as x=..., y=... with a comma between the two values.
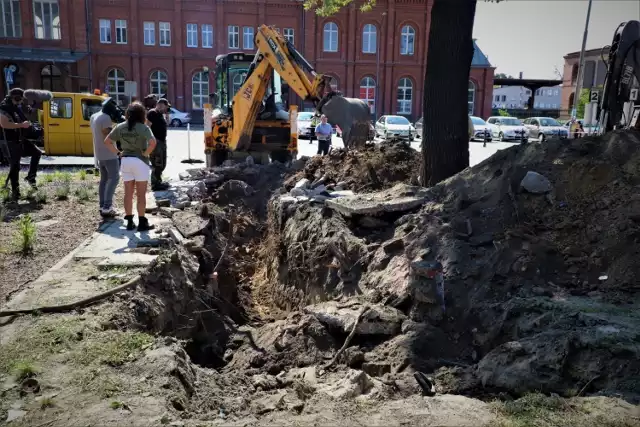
x=40, y=196
x=83, y=194
x=62, y=191
x=82, y=174
x=331, y=7
x=582, y=101
x=46, y=402
x=24, y=370
x=504, y=113
x=503, y=76
x=26, y=235
x=3, y=212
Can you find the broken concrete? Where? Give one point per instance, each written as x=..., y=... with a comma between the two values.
x=378, y=319
x=400, y=198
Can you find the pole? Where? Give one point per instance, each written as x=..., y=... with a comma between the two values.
x=576, y=96
x=88, y=34
x=189, y=139
x=375, y=98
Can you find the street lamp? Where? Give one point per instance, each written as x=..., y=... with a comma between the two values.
x=376, y=97
x=576, y=95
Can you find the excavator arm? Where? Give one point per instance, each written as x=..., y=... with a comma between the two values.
x=274, y=52
x=623, y=65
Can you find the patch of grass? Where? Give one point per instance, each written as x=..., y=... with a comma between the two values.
x=538, y=410
x=165, y=420
x=82, y=174
x=48, y=177
x=112, y=348
x=83, y=194
x=47, y=402
x=62, y=191
x=100, y=381
x=41, y=196
x=5, y=195
x=116, y=404
x=24, y=370
x=26, y=234
x=3, y=212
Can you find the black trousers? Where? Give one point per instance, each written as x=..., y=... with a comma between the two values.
x=323, y=147
x=18, y=150
x=158, y=160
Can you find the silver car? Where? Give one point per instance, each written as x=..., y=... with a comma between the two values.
x=178, y=118
x=542, y=128
x=394, y=128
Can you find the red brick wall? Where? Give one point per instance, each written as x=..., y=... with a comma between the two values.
x=349, y=65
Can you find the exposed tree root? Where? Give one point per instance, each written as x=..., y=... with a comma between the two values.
x=348, y=340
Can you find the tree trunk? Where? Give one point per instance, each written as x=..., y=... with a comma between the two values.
x=445, y=134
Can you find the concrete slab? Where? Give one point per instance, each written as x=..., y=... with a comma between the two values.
x=400, y=198
x=49, y=161
x=152, y=206
x=115, y=245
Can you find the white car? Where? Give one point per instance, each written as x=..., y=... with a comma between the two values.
x=306, y=125
x=507, y=128
x=178, y=118
x=481, y=130
x=394, y=127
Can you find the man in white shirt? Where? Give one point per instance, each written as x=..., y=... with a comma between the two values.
x=323, y=134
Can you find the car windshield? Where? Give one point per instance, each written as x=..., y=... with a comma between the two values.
x=478, y=121
x=549, y=122
x=305, y=116
x=397, y=120
x=510, y=122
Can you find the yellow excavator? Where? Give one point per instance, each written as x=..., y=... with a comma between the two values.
x=246, y=115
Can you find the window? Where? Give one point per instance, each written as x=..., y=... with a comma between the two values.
x=247, y=38
x=105, y=31
x=165, y=33
x=10, y=22
x=330, y=40
x=121, y=31
x=471, y=97
x=207, y=36
x=237, y=81
x=46, y=16
x=90, y=107
x=536, y=105
x=405, y=95
x=61, y=108
x=504, y=98
x=555, y=105
x=369, y=39
x=333, y=83
x=115, y=85
x=556, y=92
x=407, y=40
x=51, y=78
x=199, y=90
x=528, y=92
x=234, y=37
x=159, y=83
x=368, y=93
x=149, y=33
x=289, y=35
x=192, y=35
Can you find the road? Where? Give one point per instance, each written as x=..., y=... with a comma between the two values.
x=177, y=142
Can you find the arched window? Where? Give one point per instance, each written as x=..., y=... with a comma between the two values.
x=330, y=37
x=571, y=100
x=405, y=96
x=407, y=40
x=115, y=85
x=369, y=38
x=199, y=90
x=574, y=73
x=334, y=83
x=238, y=79
x=368, y=93
x=158, y=83
x=471, y=96
x=51, y=79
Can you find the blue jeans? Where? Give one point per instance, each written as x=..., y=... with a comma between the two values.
x=109, y=178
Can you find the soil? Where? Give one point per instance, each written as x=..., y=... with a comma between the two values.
x=61, y=225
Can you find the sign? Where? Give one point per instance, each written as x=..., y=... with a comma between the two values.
x=248, y=92
x=594, y=95
x=130, y=88
x=633, y=95
x=8, y=75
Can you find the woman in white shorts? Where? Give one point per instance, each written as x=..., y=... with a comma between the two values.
x=137, y=144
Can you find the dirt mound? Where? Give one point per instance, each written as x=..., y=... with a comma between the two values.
x=537, y=246
x=372, y=168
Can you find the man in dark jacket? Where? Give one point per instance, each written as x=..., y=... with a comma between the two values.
x=12, y=122
x=158, y=124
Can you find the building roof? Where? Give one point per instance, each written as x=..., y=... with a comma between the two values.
x=479, y=58
x=589, y=53
x=40, y=55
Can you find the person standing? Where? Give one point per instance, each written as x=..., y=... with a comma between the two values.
x=13, y=121
x=137, y=144
x=108, y=162
x=323, y=134
x=156, y=118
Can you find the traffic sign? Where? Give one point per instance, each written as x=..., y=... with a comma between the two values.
x=593, y=96
x=633, y=95
x=8, y=75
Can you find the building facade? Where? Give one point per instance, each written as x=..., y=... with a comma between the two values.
x=595, y=70
x=133, y=47
x=516, y=97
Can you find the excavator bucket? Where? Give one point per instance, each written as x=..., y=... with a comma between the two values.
x=352, y=115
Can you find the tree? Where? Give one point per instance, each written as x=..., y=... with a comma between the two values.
x=503, y=76
x=445, y=138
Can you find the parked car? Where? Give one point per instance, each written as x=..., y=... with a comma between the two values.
x=394, y=127
x=542, y=128
x=178, y=118
x=588, y=129
x=418, y=126
x=306, y=125
x=507, y=128
x=481, y=130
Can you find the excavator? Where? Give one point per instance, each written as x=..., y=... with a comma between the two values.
x=620, y=104
x=246, y=116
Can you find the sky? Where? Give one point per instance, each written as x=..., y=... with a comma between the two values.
x=533, y=36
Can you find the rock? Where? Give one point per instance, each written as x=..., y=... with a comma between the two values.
x=319, y=189
x=341, y=185
x=168, y=212
x=379, y=319
x=354, y=384
x=353, y=357
x=264, y=382
x=228, y=163
x=481, y=240
x=198, y=191
x=213, y=180
x=163, y=203
x=318, y=198
x=536, y=183
x=190, y=223
x=46, y=223
x=372, y=222
x=184, y=176
x=302, y=184
x=298, y=192
x=181, y=204
x=176, y=236
x=233, y=190
x=376, y=369
x=342, y=193
x=14, y=414
x=393, y=245
x=298, y=164
x=195, y=244
x=308, y=375
x=270, y=403
x=249, y=161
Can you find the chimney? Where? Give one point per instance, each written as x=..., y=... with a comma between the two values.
x=520, y=75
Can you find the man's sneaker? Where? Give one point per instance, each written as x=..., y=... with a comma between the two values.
x=32, y=183
x=108, y=213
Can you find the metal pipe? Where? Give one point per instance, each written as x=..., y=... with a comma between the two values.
x=576, y=96
x=88, y=26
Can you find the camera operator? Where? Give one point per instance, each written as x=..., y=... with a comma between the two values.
x=13, y=121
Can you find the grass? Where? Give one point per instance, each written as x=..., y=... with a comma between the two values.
x=112, y=348
x=3, y=212
x=26, y=234
x=41, y=196
x=82, y=174
x=83, y=194
x=24, y=370
x=100, y=381
x=538, y=410
x=48, y=177
x=46, y=402
x=5, y=195
x=62, y=192
x=116, y=404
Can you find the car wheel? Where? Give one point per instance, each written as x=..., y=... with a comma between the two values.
x=501, y=137
x=541, y=138
x=411, y=139
x=176, y=123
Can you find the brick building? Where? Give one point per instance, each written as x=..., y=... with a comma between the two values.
x=166, y=47
x=593, y=75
